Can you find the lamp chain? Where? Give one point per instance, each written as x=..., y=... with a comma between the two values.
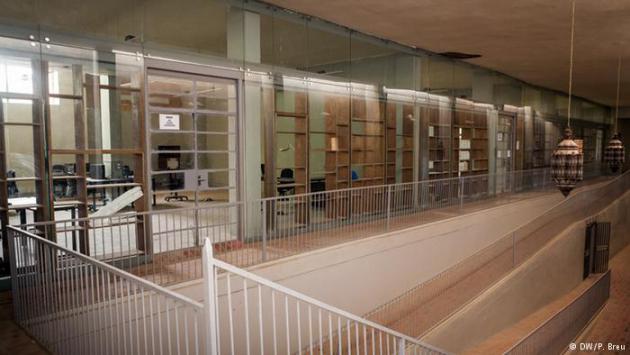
x=618, y=89
x=571, y=62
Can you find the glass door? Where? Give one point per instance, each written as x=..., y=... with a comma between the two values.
x=193, y=139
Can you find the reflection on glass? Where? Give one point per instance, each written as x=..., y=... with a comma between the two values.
x=170, y=92
x=215, y=161
x=218, y=179
x=17, y=111
x=20, y=153
x=172, y=141
x=220, y=142
x=167, y=182
x=216, y=96
x=172, y=160
x=215, y=123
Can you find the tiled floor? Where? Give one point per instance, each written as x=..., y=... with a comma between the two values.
x=13, y=340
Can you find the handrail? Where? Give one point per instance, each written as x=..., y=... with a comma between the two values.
x=487, y=254
x=602, y=284
x=215, y=263
x=296, y=196
x=149, y=285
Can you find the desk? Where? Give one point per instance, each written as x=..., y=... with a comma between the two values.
x=21, y=204
x=104, y=184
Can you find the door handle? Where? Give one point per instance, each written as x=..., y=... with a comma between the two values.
x=200, y=180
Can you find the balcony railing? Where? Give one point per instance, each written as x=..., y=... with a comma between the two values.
x=421, y=307
x=165, y=245
x=554, y=335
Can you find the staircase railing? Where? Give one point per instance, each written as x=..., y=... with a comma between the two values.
x=74, y=304
x=253, y=315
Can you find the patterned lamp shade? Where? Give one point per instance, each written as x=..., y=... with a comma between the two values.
x=614, y=154
x=567, y=164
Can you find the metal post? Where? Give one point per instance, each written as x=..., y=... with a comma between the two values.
x=389, y=204
x=264, y=230
x=401, y=347
x=209, y=298
x=461, y=192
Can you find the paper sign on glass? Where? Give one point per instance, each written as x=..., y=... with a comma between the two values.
x=169, y=122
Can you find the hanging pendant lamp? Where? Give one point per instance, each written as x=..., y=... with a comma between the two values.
x=567, y=161
x=614, y=153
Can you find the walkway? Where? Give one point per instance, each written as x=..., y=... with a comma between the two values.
x=612, y=325
x=13, y=340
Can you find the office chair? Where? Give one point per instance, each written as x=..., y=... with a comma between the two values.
x=286, y=177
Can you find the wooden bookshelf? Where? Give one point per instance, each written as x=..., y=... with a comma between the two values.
x=470, y=140
x=538, y=144
x=367, y=142
x=399, y=141
x=439, y=141
x=291, y=137
x=367, y=152
x=337, y=164
x=337, y=130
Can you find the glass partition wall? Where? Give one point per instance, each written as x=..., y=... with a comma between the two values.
x=89, y=113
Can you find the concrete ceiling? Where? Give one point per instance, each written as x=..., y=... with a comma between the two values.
x=527, y=39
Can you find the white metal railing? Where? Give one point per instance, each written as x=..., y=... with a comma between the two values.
x=423, y=306
x=165, y=244
x=554, y=335
x=252, y=315
x=73, y=304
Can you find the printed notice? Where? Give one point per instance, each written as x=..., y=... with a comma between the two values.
x=169, y=122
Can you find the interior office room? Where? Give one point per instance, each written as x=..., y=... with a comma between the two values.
x=135, y=128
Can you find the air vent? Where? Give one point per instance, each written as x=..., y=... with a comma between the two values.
x=460, y=55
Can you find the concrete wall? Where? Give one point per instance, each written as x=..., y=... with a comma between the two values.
x=554, y=271
x=361, y=275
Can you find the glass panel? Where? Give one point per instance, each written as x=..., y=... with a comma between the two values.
x=220, y=179
x=17, y=111
x=216, y=161
x=170, y=200
x=172, y=141
x=61, y=78
x=221, y=142
x=166, y=182
x=172, y=161
x=16, y=74
x=170, y=92
x=205, y=29
x=284, y=41
x=112, y=166
x=216, y=96
x=328, y=50
x=214, y=123
x=22, y=190
x=221, y=195
x=20, y=153
x=115, y=124
x=62, y=124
